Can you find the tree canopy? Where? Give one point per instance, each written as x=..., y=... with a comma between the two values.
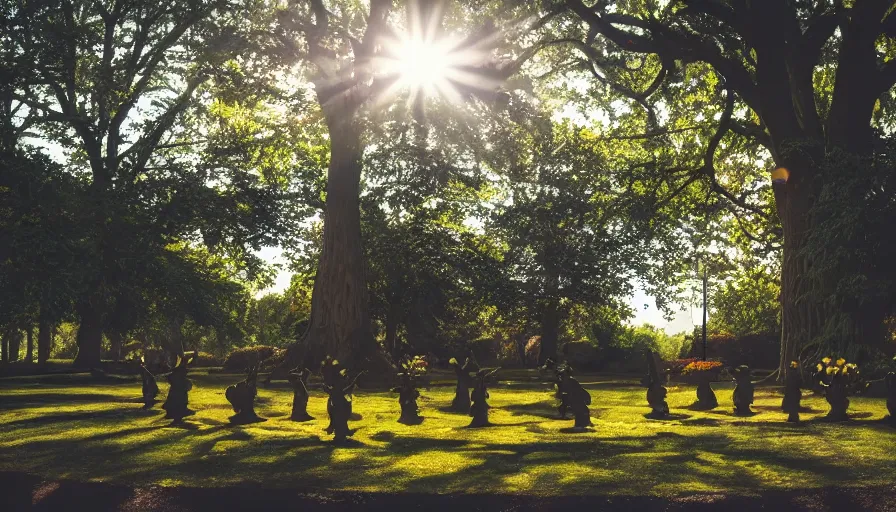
x=434, y=170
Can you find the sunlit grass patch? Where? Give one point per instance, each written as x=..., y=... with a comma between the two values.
x=99, y=433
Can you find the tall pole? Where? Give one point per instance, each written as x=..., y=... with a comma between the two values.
x=704, y=312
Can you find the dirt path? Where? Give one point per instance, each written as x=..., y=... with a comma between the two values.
x=25, y=492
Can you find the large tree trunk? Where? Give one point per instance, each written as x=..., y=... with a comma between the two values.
x=800, y=319
x=29, y=347
x=340, y=318
x=4, y=346
x=15, y=344
x=44, y=338
x=115, y=341
x=90, y=338
x=809, y=319
x=392, y=316
x=550, y=334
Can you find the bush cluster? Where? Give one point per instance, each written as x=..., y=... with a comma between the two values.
x=243, y=358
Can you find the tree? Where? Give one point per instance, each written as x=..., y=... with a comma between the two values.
x=427, y=272
x=155, y=105
x=569, y=231
x=40, y=244
x=346, y=48
x=746, y=303
x=803, y=79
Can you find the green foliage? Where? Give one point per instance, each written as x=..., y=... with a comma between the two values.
x=746, y=303
x=64, y=345
x=41, y=238
x=753, y=350
x=180, y=146
x=648, y=337
x=272, y=319
x=853, y=248
x=240, y=359
x=205, y=360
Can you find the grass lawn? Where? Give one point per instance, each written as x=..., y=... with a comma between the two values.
x=63, y=427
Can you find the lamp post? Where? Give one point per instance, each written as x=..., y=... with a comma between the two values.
x=700, y=265
x=704, y=312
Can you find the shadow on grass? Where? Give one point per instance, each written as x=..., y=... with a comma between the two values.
x=31, y=399
x=124, y=414
x=488, y=465
x=669, y=417
x=703, y=422
x=25, y=492
x=544, y=409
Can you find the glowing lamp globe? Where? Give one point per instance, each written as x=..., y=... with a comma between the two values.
x=780, y=175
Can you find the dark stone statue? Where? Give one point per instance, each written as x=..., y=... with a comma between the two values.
x=407, y=400
x=242, y=398
x=576, y=398
x=407, y=390
x=706, y=397
x=891, y=396
x=561, y=394
x=793, y=394
x=339, y=404
x=743, y=391
x=656, y=393
x=479, y=408
x=176, y=403
x=336, y=377
x=461, y=402
x=150, y=388
x=299, y=380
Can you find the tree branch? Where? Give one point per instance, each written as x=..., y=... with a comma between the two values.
x=753, y=131
x=709, y=157
x=715, y=9
x=670, y=46
x=144, y=147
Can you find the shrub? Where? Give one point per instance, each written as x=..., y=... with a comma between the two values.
x=581, y=355
x=508, y=353
x=678, y=365
x=242, y=358
x=485, y=350
x=205, y=360
x=701, y=366
x=625, y=351
x=754, y=350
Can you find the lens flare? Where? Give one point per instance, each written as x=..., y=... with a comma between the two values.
x=423, y=68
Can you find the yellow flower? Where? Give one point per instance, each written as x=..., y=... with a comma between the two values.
x=841, y=361
x=452, y=361
x=830, y=370
x=819, y=367
x=794, y=364
x=335, y=362
x=826, y=360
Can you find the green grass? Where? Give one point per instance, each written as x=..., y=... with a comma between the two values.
x=65, y=427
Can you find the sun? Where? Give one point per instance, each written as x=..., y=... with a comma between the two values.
x=423, y=64
x=422, y=67
x=426, y=61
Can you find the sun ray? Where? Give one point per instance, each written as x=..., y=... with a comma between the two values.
x=427, y=62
